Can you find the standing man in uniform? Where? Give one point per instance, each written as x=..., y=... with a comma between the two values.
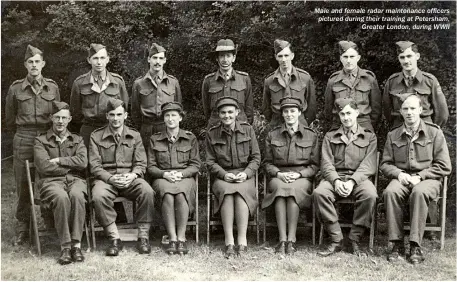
x=118, y=162
x=61, y=159
x=150, y=92
x=356, y=83
x=412, y=80
x=28, y=107
x=91, y=91
x=288, y=80
x=415, y=158
x=227, y=82
x=348, y=160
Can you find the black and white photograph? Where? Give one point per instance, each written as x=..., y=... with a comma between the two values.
x=228, y=140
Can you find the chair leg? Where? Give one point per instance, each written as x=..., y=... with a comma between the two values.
x=372, y=228
x=92, y=226
x=264, y=226
x=443, y=222
x=86, y=229
x=314, y=225
x=321, y=234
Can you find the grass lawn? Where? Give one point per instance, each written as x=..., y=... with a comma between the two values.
x=208, y=263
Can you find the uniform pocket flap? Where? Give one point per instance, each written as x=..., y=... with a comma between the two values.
x=238, y=86
x=146, y=91
x=399, y=143
x=183, y=148
x=111, y=90
x=127, y=143
x=107, y=145
x=297, y=86
x=338, y=88
x=305, y=143
x=363, y=87
x=274, y=87
x=361, y=142
x=160, y=148
x=423, y=143
x=243, y=139
x=215, y=89
x=423, y=91
x=48, y=96
x=168, y=90
x=22, y=97
x=278, y=143
x=217, y=141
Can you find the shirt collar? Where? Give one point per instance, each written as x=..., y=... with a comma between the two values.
x=181, y=134
x=354, y=72
x=95, y=78
x=109, y=132
x=231, y=74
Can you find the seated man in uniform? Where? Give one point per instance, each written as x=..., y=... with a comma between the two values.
x=348, y=160
x=415, y=158
x=60, y=158
x=118, y=162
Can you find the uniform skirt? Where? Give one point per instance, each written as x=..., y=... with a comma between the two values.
x=245, y=189
x=187, y=186
x=301, y=189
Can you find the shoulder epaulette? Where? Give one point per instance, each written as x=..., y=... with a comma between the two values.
x=270, y=75
x=133, y=129
x=138, y=78
x=242, y=72
x=171, y=76
x=189, y=133
x=395, y=127
x=429, y=75
x=432, y=124
x=214, y=126
x=50, y=80
x=81, y=76
x=370, y=73
x=335, y=74
x=394, y=75
x=303, y=71
x=17, y=81
x=309, y=128
x=101, y=128
x=117, y=75
x=277, y=127
x=208, y=75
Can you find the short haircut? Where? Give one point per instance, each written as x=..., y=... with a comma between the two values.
x=414, y=96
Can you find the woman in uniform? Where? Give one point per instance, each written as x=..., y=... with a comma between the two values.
x=233, y=157
x=291, y=160
x=173, y=160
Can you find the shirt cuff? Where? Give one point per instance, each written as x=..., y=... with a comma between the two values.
x=249, y=172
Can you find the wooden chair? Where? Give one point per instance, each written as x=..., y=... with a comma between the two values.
x=35, y=232
x=350, y=201
x=302, y=224
x=127, y=231
x=213, y=220
x=193, y=221
x=439, y=226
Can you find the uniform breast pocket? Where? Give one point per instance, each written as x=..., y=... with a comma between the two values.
x=107, y=152
x=243, y=148
x=128, y=150
x=304, y=149
x=147, y=97
x=424, y=95
x=362, y=94
x=113, y=91
x=45, y=103
x=400, y=150
x=183, y=154
x=238, y=91
x=89, y=98
x=340, y=91
x=25, y=104
x=424, y=150
x=279, y=149
x=169, y=93
x=162, y=155
x=214, y=93
x=298, y=90
x=275, y=91
x=361, y=147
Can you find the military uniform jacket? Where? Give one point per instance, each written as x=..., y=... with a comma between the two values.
x=72, y=155
x=427, y=156
x=106, y=157
x=237, y=86
x=148, y=96
x=365, y=91
x=356, y=159
x=426, y=86
x=25, y=107
x=300, y=152
x=301, y=86
x=89, y=106
x=182, y=155
x=226, y=149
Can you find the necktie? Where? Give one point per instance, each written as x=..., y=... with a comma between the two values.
x=291, y=131
x=100, y=81
x=118, y=137
x=35, y=85
x=349, y=135
x=173, y=139
x=287, y=78
x=410, y=80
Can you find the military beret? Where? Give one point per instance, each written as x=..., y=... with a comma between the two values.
x=224, y=45
x=279, y=45
x=403, y=45
x=32, y=51
x=340, y=103
x=58, y=106
x=156, y=48
x=290, y=102
x=171, y=106
x=113, y=104
x=227, y=101
x=94, y=48
x=345, y=45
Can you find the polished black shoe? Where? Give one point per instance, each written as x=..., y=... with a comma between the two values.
x=331, y=249
x=291, y=248
x=241, y=250
x=356, y=248
x=143, y=246
x=398, y=249
x=65, y=256
x=182, y=248
x=416, y=255
x=76, y=254
x=433, y=236
x=281, y=248
x=229, y=251
x=114, y=248
x=172, y=248
x=21, y=238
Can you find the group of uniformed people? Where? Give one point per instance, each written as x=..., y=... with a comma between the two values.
x=117, y=156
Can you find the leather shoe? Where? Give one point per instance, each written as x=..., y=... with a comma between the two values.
x=229, y=251
x=113, y=250
x=65, y=256
x=291, y=248
x=355, y=248
x=281, y=248
x=397, y=250
x=182, y=248
x=21, y=238
x=172, y=248
x=143, y=246
x=416, y=255
x=433, y=236
x=331, y=249
x=76, y=254
x=241, y=250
